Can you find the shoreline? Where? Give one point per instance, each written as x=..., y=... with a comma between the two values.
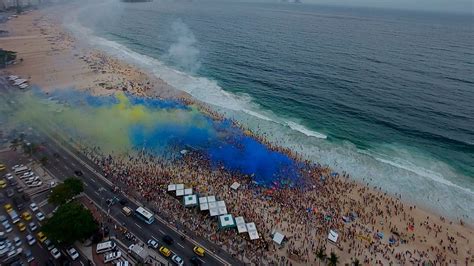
x=86, y=75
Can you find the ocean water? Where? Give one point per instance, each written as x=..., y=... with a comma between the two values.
x=387, y=96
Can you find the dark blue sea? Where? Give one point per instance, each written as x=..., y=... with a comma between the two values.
x=385, y=95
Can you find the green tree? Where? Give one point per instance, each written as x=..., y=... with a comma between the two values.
x=321, y=255
x=64, y=192
x=333, y=259
x=75, y=185
x=70, y=223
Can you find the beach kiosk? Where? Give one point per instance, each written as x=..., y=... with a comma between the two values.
x=226, y=221
x=190, y=201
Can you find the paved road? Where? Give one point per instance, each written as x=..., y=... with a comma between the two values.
x=41, y=254
x=69, y=160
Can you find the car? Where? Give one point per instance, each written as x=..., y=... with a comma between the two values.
x=33, y=207
x=41, y=237
x=29, y=256
x=16, y=166
x=78, y=173
x=40, y=216
x=152, y=243
x=35, y=184
x=20, y=189
x=21, y=226
x=8, y=207
x=178, y=260
x=2, y=198
x=165, y=251
x=3, y=184
x=49, y=244
x=10, y=192
x=30, y=240
x=8, y=227
x=9, y=176
x=112, y=256
x=17, y=241
x=199, y=251
x=55, y=253
x=168, y=240
x=26, y=216
x=2, y=167
x=3, y=218
x=27, y=175
x=195, y=261
x=32, y=226
x=72, y=252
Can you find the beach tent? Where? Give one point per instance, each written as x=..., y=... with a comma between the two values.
x=202, y=200
x=211, y=198
x=179, y=186
x=171, y=187
x=333, y=236
x=251, y=227
x=254, y=235
x=212, y=205
x=188, y=191
x=241, y=226
x=278, y=238
x=226, y=221
x=235, y=186
x=179, y=192
x=190, y=200
x=213, y=212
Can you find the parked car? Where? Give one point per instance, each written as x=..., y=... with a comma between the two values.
x=165, y=251
x=32, y=226
x=40, y=216
x=29, y=255
x=10, y=193
x=33, y=207
x=30, y=240
x=72, y=252
x=55, y=253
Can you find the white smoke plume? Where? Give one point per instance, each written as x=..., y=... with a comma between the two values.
x=183, y=52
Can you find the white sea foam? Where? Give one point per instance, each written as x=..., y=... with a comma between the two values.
x=305, y=130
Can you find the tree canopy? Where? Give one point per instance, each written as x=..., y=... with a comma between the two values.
x=64, y=192
x=70, y=223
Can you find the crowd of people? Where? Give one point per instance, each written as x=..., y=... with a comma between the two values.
x=304, y=214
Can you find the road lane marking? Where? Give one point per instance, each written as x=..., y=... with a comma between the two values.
x=92, y=179
x=161, y=231
x=138, y=226
x=180, y=245
x=97, y=193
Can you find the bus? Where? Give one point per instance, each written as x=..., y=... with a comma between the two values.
x=105, y=246
x=145, y=215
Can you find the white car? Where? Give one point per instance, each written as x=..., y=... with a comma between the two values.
x=16, y=166
x=177, y=259
x=55, y=253
x=26, y=175
x=36, y=184
x=32, y=226
x=33, y=207
x=8, y=227
x=17, y=241
x=152, y=243
x=40, y=216
x=30, y=240
x=72, y=252
x=9, y=176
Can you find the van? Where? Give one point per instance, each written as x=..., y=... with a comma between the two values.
x=127, y=211
x=105, y=246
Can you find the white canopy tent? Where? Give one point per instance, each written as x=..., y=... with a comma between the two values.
x=235, y=186
x=333, y=236
x=278, y=237
x=171, y=187
x=188, y=191
x=190, y=200
x=254, y=235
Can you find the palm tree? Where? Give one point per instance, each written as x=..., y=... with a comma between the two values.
x=321, y=255
x=333, y=259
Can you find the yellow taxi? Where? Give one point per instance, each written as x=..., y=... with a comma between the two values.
x=26, y=216
x=21, y=227
x=8, y=207
x=199, y=251
x=41, y=237
x=2, y=167
x=165, y=251
x=3, y=184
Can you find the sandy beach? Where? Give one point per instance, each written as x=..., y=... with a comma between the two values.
x=53, y=59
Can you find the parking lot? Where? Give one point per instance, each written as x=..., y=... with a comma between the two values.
x=24, y=189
